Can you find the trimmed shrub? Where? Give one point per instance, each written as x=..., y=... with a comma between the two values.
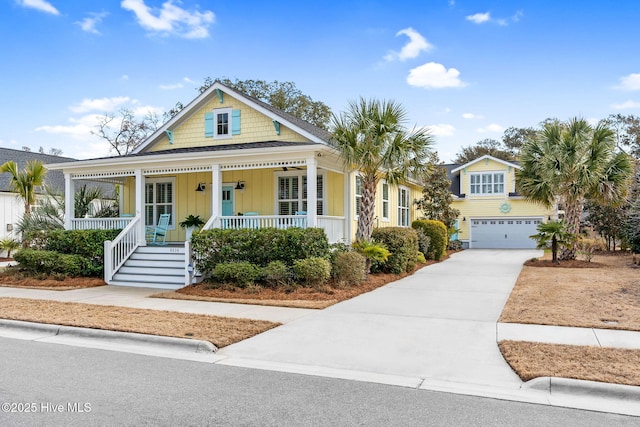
x=454, y=245
x=588, y=247
x=437, y=233
x=240, y=273
x=313, y=271
x=260, y=247
x=349, y=268
x=88, y=244
x=50, y=263
x=420, y=259
x=276, y=273
x=403, y=245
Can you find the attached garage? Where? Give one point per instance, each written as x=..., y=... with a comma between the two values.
x=503, y=233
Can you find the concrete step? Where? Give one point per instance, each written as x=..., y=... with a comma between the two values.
x=156, y=256
x=167, y=286
x=154, y=263
x=161, y=249
x=155, y=271
x=149, y=279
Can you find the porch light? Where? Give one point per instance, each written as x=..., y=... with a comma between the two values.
x=464, y=218
x=240, y=185
x=201, y=186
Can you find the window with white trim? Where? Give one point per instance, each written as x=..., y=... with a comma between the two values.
x=486, y=183
x=358, y=194
x=222, y=123
x=159, y=198
x=403, y=207
x=385, y=201
x=292, y=194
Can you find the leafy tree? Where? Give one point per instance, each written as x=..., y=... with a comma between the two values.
x=436, y=196
x=124, y=131
x=371, y=138
x=282, y=95
x=627, y=132
x=482, y=148
x=24, y=182
x=608, y=221
x=554, y=233
x=570, y=162
x=514, y=138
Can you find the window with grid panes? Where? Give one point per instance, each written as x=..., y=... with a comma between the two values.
x=403, y=207
x=290, y=197
x=159, y=199
x=385, y=201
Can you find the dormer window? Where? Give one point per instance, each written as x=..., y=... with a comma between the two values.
x=486, y=183
x=222, y=120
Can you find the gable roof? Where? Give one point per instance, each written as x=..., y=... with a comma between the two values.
x=21, y=157
x=486, y=157
x=312, y=132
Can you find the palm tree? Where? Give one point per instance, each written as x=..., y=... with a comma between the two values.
x=554, y=232
x=24, y=182
x=570, y=162
x=371, y=138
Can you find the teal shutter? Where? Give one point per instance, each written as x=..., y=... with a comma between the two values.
x=208, y=125
x=235, y=122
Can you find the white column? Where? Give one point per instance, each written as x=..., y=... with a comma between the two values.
x=348, y=207
x=139, y=201
x=312, y=191
x=69, y=202
x=216, y=191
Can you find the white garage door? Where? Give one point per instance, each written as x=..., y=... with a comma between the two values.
x=503, y=233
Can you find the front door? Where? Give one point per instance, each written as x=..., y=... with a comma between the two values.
x=227, y=200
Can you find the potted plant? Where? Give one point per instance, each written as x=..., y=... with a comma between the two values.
x=190, y=223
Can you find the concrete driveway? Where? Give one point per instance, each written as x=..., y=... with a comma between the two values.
x=436, y=328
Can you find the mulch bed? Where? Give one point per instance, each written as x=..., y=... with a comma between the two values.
x=574, y=263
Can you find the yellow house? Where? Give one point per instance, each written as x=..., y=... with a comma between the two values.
x=492, y=213
x=236, y=162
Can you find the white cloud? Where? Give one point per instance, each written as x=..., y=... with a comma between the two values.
x=177, y=85
x=492, y=128
x=472, y=116
x=171, y=19
x=434, y=76
x=630, y=82
x=89, y=23
x=101, y=104
x=626, y=105
x=78, y=129
x=441, y=129
x=482, y=18
x=41, y=5
x=417, y=43
x=479, y=18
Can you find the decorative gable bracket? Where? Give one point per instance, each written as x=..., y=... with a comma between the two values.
x=220, y=95
x=276, y=125
x=169, y=134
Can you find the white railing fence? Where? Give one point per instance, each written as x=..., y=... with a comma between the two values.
x=261, y=221
x=333, y=226
x=116, y=252
x=99, y=223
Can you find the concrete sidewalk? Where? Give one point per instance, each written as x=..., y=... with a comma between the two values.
x=139, y=298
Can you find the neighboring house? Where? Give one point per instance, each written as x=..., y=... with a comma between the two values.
x=236, y=162
x=492, y=213
x=12, y=207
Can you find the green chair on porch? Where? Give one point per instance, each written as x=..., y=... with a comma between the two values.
x=157, y=235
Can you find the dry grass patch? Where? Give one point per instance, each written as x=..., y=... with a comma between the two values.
x=221, y=331
x=607, y=297
x=286, y=297
x=612, y=365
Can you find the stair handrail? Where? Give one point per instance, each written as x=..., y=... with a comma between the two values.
x=116, y=252
x=210, y=223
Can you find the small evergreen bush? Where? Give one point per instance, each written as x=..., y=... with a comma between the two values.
x=313, y=271
x=276, y=273
x=349, y=268
x=437, y=233
x=403, y=245
x=239, y=273
x=48, y=263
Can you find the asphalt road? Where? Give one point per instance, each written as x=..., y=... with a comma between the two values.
x=50, y=385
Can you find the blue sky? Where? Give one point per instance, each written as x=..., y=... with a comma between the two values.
x=465, y=69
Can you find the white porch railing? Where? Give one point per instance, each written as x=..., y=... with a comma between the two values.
x=100, y=223
x=333, y=226
x=116, y=252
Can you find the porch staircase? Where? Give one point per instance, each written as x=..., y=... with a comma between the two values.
x=153, y=267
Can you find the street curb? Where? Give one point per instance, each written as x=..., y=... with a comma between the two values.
x=183, y=344
x=585, y=388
